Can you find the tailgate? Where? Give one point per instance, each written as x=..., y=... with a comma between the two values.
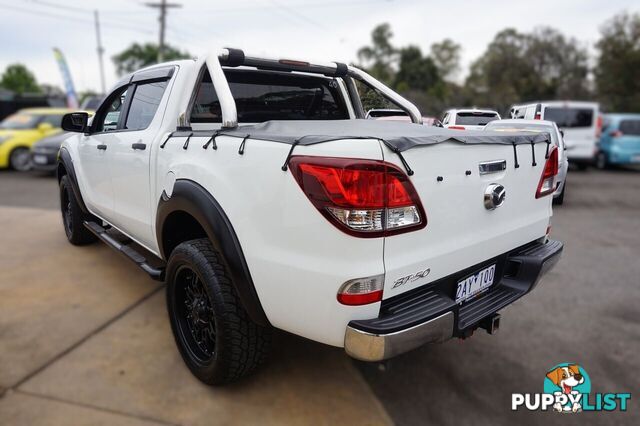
x=460, y=230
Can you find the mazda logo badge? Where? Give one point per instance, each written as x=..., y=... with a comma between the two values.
x=494, y=196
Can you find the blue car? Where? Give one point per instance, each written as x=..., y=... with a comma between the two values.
x=620, y=140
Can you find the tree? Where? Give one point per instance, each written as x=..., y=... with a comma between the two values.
x=415, y=71
x=521, y=67
x=560, y=64
x=138, y=56
x=19, y=79
x=378, y=58
x=618, y=65
x=446, y=56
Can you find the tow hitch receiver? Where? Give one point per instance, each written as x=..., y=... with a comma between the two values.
x=491, y=323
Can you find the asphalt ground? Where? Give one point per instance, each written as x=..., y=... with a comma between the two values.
x=84, y=336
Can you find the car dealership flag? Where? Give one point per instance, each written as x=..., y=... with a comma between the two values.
x=72, y=98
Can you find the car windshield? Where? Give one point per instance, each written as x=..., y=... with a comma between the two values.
x=630, y=127
x=570, y=117
x=475, y=118
x=20, y=121
x=536, y=128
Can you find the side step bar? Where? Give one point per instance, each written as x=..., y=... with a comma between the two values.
x=124, y=249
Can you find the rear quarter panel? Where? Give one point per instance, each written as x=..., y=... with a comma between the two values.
x=297, y=259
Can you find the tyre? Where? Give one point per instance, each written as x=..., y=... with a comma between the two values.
x=72, y=216
x=20, y=159
x=215, y=336
x=602, y=162
x=559, y=200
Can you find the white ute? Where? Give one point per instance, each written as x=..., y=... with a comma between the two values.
x=257, y=190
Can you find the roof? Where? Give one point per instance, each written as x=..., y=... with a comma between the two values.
x=46, y=111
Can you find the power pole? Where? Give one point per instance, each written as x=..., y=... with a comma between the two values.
x=163, y=6
x=100, y=50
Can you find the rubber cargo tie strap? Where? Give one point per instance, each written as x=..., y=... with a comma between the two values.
x=241, y=148
x=533, y=155
x=401, y=157
x=285, y=166
x=212, y=141
x=166, y=140
x=186, y=143
x=546, y=154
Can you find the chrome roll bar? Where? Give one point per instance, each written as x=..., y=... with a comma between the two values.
x=228, y=104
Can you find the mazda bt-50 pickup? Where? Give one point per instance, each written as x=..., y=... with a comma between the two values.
x=259, y=192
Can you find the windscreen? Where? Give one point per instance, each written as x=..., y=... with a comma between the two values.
x=20, y=121
x=630, y=127
x=570, y=117
x=475, y=118
x=262, y=96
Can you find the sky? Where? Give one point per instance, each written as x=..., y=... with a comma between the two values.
x=330, y=30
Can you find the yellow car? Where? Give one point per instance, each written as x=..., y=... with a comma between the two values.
x=20, y=131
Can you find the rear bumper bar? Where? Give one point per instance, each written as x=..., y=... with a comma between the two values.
x=430, y=315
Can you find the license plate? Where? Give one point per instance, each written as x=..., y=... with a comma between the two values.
x=40, y=159
x=475, y=284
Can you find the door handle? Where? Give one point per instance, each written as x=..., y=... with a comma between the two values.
x=140, y=146
x=101, y=147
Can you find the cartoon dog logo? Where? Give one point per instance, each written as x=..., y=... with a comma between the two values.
x=566, y=378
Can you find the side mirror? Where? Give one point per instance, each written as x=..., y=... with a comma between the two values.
x=45, y=127
x=75, y=122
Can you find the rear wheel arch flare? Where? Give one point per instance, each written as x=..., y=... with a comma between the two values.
x=192, y=203
x=65, y=167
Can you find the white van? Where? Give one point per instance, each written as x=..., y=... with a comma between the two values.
x=580, y=121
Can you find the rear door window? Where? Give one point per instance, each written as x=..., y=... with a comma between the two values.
x=475, y=118
x=263, y=96
x=146, y=98
x=630, y=127
x=570, y=117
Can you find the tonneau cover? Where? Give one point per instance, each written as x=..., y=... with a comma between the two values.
x=398, y=136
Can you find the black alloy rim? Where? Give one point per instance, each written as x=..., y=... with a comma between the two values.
x=195, y=317
x=66, y=211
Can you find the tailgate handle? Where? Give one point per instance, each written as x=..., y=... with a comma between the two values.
x=492, y=166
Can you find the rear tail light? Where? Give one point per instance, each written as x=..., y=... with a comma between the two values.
x=538, y=116
x=361, y=291
x=364, y=198
x=548, y=179
x=457, y=128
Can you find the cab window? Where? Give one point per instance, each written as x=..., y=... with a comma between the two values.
x=107, y=119
x=262, y=96
x=144, y=104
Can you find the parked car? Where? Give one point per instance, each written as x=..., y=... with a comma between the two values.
x=44, y=153
x=581, y=123
x=20, y=131
x=264, y=199
x=620, y=140
x=468, y=119
x=538, y=126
